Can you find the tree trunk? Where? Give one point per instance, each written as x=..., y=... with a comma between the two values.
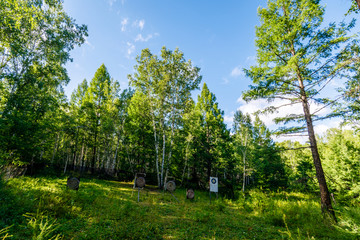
x=66, y=162
x=81, y=156
x=244, y=173
x=186, y=161
x=207, y=149
x=74, y=148
x=116, y=153
x=244, y=162
x=324, y=191
x=171, y=144
x=156, y=142
x=163, y=160
x=55, y=148
x=94, y=155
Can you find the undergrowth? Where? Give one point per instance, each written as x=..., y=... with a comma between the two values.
x=44, y=208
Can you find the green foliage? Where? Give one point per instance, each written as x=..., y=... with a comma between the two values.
x=159, y=129
x=207, y=140
x=354, y=8
x=138, y=133
x=297, y=56
x=167, y=83
x=256, y=154
x=299, y=166
x=35, y=40
x=296, y=59
x=340, y=150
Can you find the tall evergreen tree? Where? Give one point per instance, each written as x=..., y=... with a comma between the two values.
x=296, y=58
x=99, y=108
x=209, y=138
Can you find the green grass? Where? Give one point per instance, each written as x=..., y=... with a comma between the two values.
x=43, y=208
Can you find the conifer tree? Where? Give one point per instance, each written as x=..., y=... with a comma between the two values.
x=209, y=137
x=296, y=59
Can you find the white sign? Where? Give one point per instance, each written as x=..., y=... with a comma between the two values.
x=213, y=184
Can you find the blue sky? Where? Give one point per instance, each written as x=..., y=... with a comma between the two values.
x=217, y=36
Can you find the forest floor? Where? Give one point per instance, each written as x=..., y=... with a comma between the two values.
x=44, y=208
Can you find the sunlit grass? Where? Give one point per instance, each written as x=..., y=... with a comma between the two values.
x=110, y=209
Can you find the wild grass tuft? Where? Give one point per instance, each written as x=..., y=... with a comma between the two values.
x=42, y=228
x=4, y=233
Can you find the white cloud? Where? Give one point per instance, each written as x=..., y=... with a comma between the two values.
x=124, y=22
x=131, y=48
x=88, y=43
x=260, y=104
x=236, y=72
x=139, y=23
x=300, y=139
x=140, y=38
x=229, y=119
x=319, y=129
x=337, y=83
x=256, y=105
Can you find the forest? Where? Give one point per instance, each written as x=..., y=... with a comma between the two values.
x=156, y=126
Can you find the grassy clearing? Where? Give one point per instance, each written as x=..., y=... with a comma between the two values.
x=43, y=208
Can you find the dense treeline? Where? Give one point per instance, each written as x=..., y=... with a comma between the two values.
x=339, y=150
x=155, y=126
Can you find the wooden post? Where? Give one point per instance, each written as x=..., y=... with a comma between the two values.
x=138, y=194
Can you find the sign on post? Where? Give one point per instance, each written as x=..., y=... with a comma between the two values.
x=213, y=184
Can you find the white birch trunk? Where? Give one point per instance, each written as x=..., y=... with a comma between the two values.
x=163, y=159
x=115, y=155
x=156, y=142
x=171, y=140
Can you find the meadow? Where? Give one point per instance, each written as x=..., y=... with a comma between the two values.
x=44, y=208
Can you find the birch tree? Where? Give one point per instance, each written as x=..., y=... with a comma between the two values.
x=243, y=139
x=167, y=82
